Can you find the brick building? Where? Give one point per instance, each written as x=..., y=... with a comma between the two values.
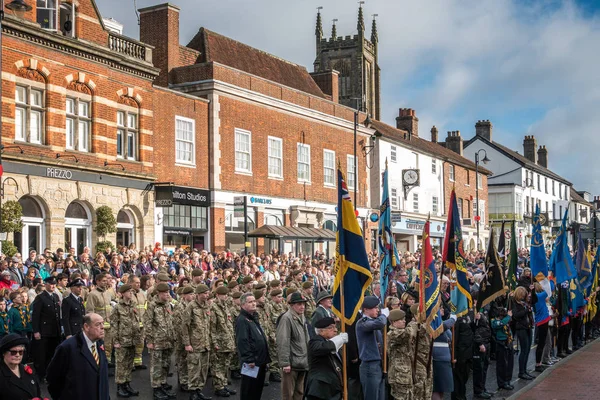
x=274, y=134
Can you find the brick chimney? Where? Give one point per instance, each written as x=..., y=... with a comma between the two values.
x=328, y=83
x=529, y=147
x=483, y=128
x=454, y=142
x=159, y=27
x=543, y=156
x=408, y=121
x=434, y=134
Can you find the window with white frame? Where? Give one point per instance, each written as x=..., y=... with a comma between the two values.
x=519, y=204
x=479, y=181
x=243, y=147
x=303, y=162
x=394, y=199
x=433, y=166
x=351, y=177
x=29, y=114
x=127, y=134
x=329, y=167
x=416, y=202
x=78, y=124
x=185, y=141
x=434, y=205
x=46, y=14
x=393, y=154
x=482, y=212
x=560, y=191
x=546, y=184
x=553, y=188
x=451, y=173
x=566, y=197
x=275, y=157
x=459, y=202
x=539, y=186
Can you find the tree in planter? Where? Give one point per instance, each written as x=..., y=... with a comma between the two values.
x=12, y=212
x=105, y=224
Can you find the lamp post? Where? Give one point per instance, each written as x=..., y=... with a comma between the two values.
x=485, y=160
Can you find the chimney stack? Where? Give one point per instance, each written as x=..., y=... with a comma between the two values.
x=483, y=128
x=328, y=83
x=408, y=121
x=434, y=134
x=543, y=156
x=529, y=148
x=454, y=142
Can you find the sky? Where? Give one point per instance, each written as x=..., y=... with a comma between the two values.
x=529, y=66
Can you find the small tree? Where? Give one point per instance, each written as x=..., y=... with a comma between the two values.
x=12, y=212
x=105, y=221
x=102, y=246
x=8, y=248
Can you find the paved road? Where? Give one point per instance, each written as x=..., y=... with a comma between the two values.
x=141, y=379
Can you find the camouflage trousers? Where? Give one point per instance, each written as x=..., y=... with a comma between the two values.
x=181, y=360
x=234, y=362
x=220, y=367
x=274, y=366
x=139, y=349
x=159, y=366
x=198, y=363
x=108, y=343
x=402, y=392
x=125, y=356
x=423, y=389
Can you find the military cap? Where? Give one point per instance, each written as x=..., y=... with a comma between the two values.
x=236, y=295
x=197, y=272
x=260, y=285
x=370, y=302
x=396, y=315
x=77, y=282
x=50, y=280
x=296, y=272
x=162, y=277
x=179, y=290
x=162, y=287
x=222, y=290
x=257, y=294
x=125, y=288
x=187, y=290
x=275, y=283
x=297, y=298
x=232, y=284
x=201, y=288
x=324, y=294
x=307, y=285
x=247, y=279
x=291, y=290
x=414, y=309
x=275, y=292
x=324, y=322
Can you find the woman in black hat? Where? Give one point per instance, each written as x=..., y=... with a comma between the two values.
x=17, y=381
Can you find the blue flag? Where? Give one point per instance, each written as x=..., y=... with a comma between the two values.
x=577, y=298
x=538, y=261
x=352, y=272
x=388, y=255
x=429, y=288
x=584, y=267
x=453, y=256
x=561, y=262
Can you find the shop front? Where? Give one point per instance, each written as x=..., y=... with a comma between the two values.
x=409, y=233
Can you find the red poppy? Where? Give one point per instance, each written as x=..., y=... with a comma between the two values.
x=28, y=369
x=102, y=347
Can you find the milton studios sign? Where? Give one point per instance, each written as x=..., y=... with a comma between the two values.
x=166, y=196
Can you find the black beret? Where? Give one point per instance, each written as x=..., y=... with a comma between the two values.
x=77, y=282
x=51, y=280
x=324, y=322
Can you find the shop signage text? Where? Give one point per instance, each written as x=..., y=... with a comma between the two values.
x=166, y=196
x=59, y=173
x=260, y=200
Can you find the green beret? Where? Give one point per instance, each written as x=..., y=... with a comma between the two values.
x=179, y=290
x=247, y=279
x=257, y=294
x=414, y=309
x=260, y=285
x=236, y=295
x=197, y=272
x=396, y=315
x=275, y=283
x=296, y=272
x=276, y=292
x=307, y=285
x=162, y=287
x=125, y=288
x=232, y=284
x=162, y=277
x=201, y=288
x=187, y=290
x=290, y=290
x=222, y=290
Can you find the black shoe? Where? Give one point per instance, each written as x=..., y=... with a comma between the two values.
x=266, y=383
x=231, y=391
x=274, y=377
x=166, y=386
x=561, y=355
x=130, y=390
x=141, y=366
x=222, y=393
x=526, y=377
x=122, y=391
x=236, y=375
x=529, y=375
x=197, y=395
x=540, y=368
x=159, y=394
x=184, y=387
x=483, y=395
x=166, y=389
x=569, y=351
x=508, y=386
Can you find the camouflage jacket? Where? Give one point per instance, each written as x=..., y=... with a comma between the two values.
x=221, y=327
x=275, y=310
x=265, y=320
x=158, y=324
x=178, y=312
x=401, y=350
x=125, y=323
x=422, y=350
x=310, y=307
x=196, y=326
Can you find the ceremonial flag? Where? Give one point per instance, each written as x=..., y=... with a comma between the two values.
x=561, y=262
x=537, y=254
x=388, y=255
x=576, y=292
x=513, y=260
x=352, y=271
x=583, y=265
x=492, y=285
x=429, y=288
x=453, y=256
x=502, y=247
x=592, y=307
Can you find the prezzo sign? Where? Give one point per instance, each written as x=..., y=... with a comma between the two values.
x=59, y=173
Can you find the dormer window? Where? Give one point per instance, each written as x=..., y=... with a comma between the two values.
x=67, y=20
x=46, y=14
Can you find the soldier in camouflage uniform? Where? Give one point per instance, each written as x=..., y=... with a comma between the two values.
x=247, y=284
x=296, y=281
x=152, y=292
x=307, y=289
x=139, y=298
x=401, y=351
x=125, y=323
x=262, y=287
x=159, y=333
x=197, y=275
x=422, y=364
x=99, y=302
x=234, y=304
x=186, y=296
x=276, y=308
x=263, y=311
x=223, y=340
x=195, y=335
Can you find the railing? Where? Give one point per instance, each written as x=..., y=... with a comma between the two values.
x=129, y=47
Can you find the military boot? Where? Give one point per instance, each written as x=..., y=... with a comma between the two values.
x=167, y=390
x=222, y=393
x=130, y=390
x=159, y=394
x=274, y=377
x=197, y=395
x=122, y=391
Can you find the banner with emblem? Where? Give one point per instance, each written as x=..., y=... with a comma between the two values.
x=492, y=285
x=537, y=254
x=429, y=288
x=388, y=255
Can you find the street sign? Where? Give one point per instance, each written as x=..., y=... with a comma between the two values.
x=396, y=216
x=507, y=234
x=238, y=207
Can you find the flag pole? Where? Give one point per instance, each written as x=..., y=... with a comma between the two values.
x=344, y=355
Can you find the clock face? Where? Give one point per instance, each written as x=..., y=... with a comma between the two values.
x=410, y=177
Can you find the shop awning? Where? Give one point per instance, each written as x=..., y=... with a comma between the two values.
x=291, y=233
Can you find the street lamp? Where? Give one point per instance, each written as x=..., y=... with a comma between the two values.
x=485, y=161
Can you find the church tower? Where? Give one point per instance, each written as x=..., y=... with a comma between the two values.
x=355, y=58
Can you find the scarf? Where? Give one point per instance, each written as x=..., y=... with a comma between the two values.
x=4, y=316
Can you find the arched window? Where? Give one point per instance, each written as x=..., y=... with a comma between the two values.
x=78, y=227
x=125, y=228
x=345, y=83
x=330, y=225
x=33, y=234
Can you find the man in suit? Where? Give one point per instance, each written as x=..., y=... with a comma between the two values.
x=324, y=379
x=79, y=369
x=402, y=282
x=45, y=321
x=73, y=309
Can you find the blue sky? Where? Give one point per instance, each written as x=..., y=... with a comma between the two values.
x=529, y=66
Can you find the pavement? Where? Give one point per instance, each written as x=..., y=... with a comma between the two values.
x=561, y=381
